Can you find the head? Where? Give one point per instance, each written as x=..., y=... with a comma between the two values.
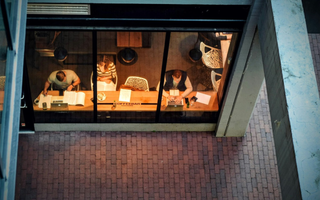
x=61, y=76
x=102, y=64
x=176, y=76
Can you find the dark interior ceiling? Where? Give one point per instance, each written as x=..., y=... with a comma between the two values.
x=150, y=17
x=312, y=14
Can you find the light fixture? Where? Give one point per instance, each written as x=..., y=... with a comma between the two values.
x=58, y=9
x=60, y=54
x=127, y=56
x=195, y=55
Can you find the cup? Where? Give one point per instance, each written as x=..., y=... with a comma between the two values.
x=44, y=105
x=192, y=102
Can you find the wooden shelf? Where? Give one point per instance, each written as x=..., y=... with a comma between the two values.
x=129, y=39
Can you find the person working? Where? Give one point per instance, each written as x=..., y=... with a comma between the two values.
x=106, y=70
x=65, y=79
x=176, y=79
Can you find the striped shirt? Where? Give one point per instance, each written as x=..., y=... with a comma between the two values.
x=111, y=71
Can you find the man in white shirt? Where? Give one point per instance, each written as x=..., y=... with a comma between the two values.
x=65, y=79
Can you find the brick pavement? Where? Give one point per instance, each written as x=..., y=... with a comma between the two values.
x=150, y=165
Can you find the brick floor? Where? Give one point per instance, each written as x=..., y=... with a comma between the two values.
x=150, y=165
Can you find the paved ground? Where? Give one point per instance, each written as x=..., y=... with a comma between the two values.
x=157, y=165
x=150, y=165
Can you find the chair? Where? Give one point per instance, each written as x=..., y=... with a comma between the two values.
x=211, y=58
x=215, y=83
x=137, y=82
x=113, y=89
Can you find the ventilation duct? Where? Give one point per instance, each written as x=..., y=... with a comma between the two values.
x=58, y=9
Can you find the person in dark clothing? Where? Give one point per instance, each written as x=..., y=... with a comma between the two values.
x=176, y=79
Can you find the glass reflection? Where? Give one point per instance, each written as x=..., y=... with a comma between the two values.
x=195, y=66
x=127, y=72
x=59, y=64
x=131, y=62
x=3, y=58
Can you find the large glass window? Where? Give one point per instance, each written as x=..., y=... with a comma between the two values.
x=125, y=71
x=196, y=62
x=3, y=63
x=133, y=61
x=69, y=54
x=3, y=58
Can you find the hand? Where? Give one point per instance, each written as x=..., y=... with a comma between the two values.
x=171, y=98
x=178, y=99
x=45, y=92
x=105, y=78
x=70, y=87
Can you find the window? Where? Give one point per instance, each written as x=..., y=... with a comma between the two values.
x=3, y=57
x=124, y=70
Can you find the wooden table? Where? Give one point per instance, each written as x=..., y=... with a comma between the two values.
x=139, y=101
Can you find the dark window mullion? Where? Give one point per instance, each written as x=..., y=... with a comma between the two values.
x=5, y=16
x=163, y=71
x=1, y=169
x=94, y=76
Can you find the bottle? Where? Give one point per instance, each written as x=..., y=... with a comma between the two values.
x=44, y=105
x=188, y=104
x=114, y=104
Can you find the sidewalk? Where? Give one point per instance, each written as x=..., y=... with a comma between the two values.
x=150, y=165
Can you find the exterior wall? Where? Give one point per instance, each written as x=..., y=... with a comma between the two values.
x=293, y=97
x=246, y=97
x=315, y=51
x=277, y=103
x=12, y=99
x=206, y=2
x=236, y=80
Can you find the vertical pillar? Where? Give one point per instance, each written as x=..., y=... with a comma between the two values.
x=238, y=95
x=293, y=97
x=249, y=88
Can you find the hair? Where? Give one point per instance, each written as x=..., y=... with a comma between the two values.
x=177, y=73
x=106, y=63
x=60, y=75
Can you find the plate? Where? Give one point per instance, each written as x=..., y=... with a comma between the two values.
x=101, y=96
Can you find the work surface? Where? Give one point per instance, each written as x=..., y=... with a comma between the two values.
x=139, y=101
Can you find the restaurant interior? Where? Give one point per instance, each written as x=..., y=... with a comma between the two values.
x=205, y=56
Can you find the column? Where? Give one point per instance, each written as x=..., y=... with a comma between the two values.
x=293, y=97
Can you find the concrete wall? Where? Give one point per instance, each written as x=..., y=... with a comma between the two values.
x=314, y=40
x=293, y=97
x=278, y=106
x=206, y=2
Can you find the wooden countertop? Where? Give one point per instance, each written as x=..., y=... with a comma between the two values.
x=139, y=101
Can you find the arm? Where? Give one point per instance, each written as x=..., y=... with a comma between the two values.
x=186, y=92
x=74, y=84
x=46, y=85
x=189, y=88
x=106, y=79
x=113, y=70
x=164, y=93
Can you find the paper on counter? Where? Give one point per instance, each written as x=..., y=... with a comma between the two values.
x=203, y=98
x=174, y=92
x=46, y=99
x=125, y=95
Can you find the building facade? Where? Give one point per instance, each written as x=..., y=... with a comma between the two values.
x=254, y=40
